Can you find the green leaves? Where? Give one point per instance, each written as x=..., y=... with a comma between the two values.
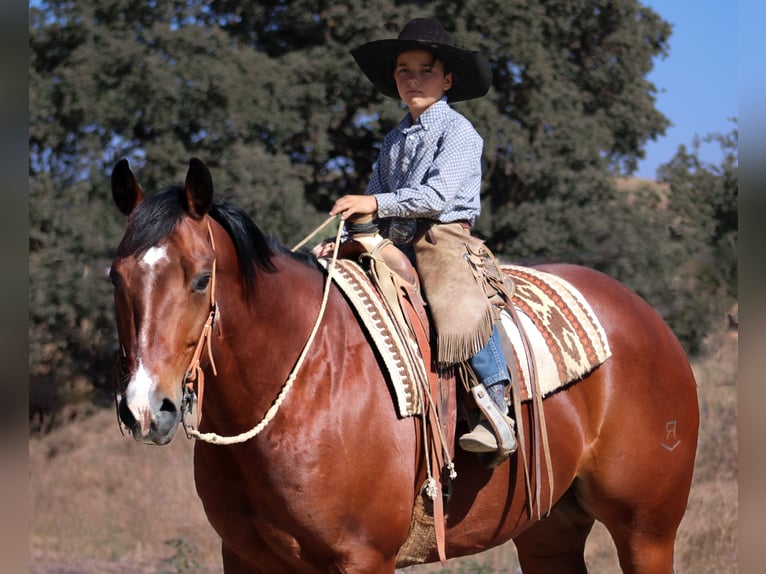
x=268, y=95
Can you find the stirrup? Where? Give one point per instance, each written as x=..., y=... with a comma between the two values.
x=502, y=426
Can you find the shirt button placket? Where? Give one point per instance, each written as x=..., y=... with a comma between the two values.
x=409, y=143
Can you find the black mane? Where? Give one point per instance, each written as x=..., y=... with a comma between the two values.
x=155, y=218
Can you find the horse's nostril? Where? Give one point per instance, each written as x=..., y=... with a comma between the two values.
x=167, y=406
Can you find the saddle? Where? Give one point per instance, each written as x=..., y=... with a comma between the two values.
x=396, y=281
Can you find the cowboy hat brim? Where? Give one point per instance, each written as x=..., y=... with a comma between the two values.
x=471, y=72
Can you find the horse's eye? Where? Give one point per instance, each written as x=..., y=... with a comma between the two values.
x=201, y=282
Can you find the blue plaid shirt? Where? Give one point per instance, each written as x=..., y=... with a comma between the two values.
x=430, y=169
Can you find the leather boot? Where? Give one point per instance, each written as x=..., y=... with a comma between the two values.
x=480, y=439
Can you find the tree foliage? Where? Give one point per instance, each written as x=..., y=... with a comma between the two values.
x=267, y=94
x=704, y=224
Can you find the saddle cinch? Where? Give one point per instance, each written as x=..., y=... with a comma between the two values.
x=549, y=333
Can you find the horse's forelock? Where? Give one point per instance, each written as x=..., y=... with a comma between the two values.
x=153, y=220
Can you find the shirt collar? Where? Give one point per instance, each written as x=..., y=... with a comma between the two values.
x=432, y=117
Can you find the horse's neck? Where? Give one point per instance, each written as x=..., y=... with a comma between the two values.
x=261, y=339
x=294, y=290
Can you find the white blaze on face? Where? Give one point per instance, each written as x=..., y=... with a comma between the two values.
x=141, y=388
x=138, y=395
x=153, y=256
x=152, y=259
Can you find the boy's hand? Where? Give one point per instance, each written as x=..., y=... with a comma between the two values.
x=349, y=205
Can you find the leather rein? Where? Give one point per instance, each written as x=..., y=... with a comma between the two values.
x=194, y=372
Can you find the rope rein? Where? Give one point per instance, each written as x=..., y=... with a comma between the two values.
x=195, y=374
x=432, y=488
x=214, y=438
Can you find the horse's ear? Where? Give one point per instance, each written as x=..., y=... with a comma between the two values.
x=199, y=188
x=126, y=192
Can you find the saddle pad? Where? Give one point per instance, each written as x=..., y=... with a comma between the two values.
x=565, y=336
x=406, y=378
x=566, y=339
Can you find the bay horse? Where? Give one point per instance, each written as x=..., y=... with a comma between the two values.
x=329, y=482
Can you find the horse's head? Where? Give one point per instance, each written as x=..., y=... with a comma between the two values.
x=163, y=274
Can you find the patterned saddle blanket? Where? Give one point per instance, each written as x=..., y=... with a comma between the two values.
x=566, y=339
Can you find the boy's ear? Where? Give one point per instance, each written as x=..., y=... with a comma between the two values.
x=447, y=81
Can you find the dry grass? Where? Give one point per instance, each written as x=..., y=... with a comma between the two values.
x=102, y=503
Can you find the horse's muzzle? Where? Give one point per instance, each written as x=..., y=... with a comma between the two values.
x=158, y=427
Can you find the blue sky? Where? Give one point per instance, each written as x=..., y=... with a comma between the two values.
x=697, y=84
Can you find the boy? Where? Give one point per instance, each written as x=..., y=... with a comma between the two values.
x=426, y=185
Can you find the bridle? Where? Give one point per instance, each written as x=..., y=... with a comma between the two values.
x=195, y=375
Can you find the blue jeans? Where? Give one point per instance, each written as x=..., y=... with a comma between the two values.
x=490, y=368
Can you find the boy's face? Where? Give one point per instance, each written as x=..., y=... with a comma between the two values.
x=420, y=79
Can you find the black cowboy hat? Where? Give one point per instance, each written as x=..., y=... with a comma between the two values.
x=471, y=74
